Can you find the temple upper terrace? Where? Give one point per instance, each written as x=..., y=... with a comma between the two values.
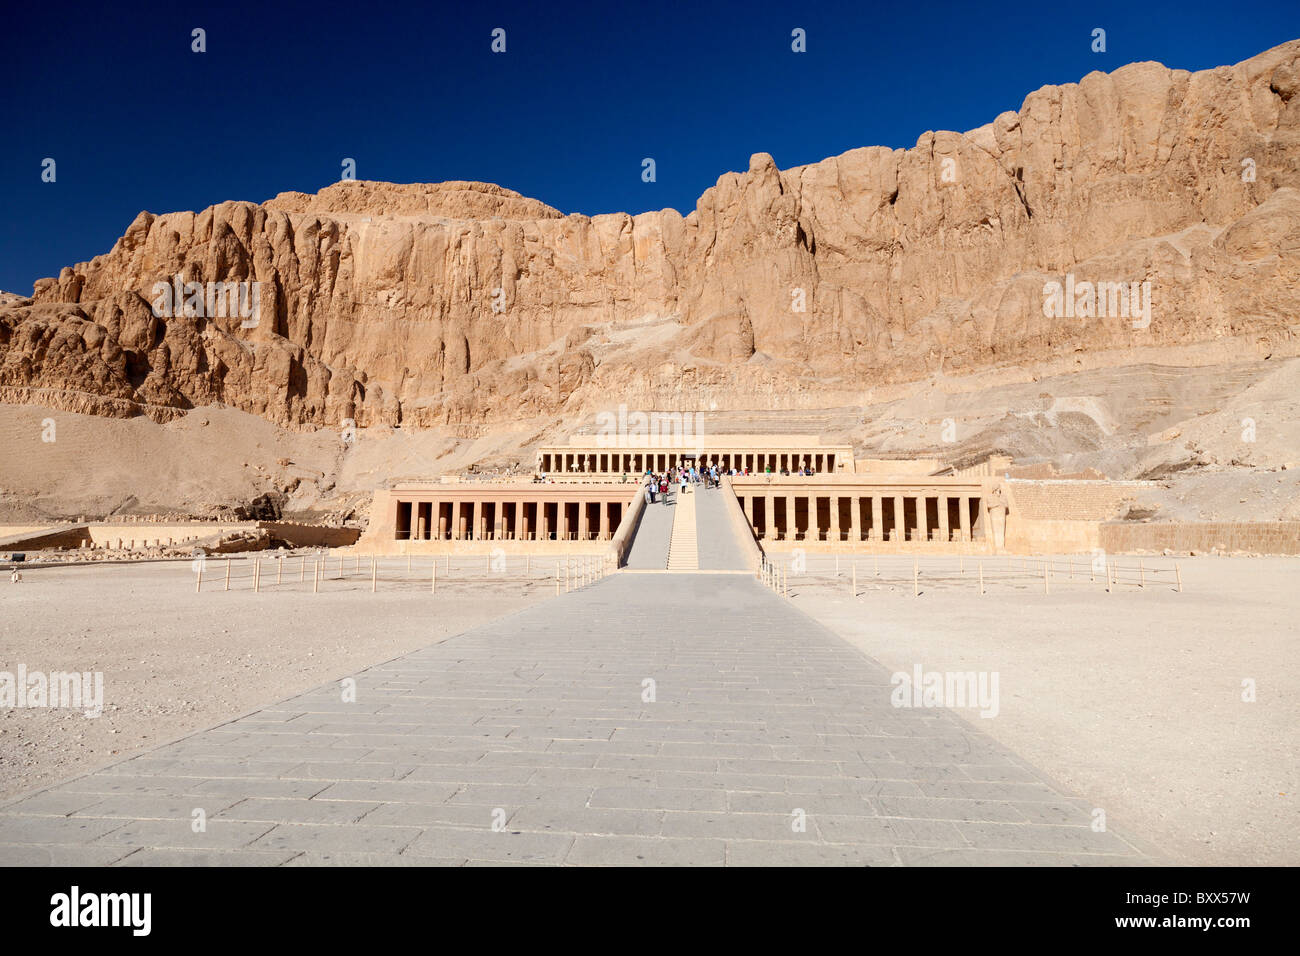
x=635, y=453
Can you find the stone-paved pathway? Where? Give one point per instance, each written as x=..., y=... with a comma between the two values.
x=648, y=719
x=718, y=548
x=649, y=550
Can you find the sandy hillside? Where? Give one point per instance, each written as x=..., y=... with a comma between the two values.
x=1185, y=426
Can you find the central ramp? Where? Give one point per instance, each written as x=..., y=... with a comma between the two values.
x=683, y=549
x=696, y=531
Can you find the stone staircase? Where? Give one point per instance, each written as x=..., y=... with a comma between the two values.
x=683, y=547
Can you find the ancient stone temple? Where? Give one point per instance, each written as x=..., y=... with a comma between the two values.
x=588, y=496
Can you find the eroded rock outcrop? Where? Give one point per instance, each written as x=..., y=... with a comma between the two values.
x=467, y=303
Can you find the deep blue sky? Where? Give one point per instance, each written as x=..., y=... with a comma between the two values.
x=585, y=91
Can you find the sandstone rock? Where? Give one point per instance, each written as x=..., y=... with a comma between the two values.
x=466, y=303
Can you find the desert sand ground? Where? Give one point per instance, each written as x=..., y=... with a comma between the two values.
x=1133, y=698
x=175, y=661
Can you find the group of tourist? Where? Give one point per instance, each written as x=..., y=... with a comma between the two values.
x=658, y=483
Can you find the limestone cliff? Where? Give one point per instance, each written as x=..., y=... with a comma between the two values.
x=466, y=303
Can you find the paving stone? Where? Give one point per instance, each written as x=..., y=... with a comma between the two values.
x=55, y=855
x=47, y=830
x=892, y=831
x=588, y=820
x=750, y=853
x=732, y=826
x=136, y=807
x=356, y=838
x=929, y=808
x=389, y=791
x=331, y=858
x=810, y=803
x=216, y=835
x=298, y=811
x=53, y=804
x=1066, y=839
x=487, y=844
x=659, y=798
x=646, y=851
x=197, y=857
x=934, y=856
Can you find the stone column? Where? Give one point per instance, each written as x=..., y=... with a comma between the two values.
x=604, y=521
x=855, y=516
x=923, y=517
x=769, y=517
x=944, y=533
x=543, y=529
x=521, y=521
x=834, y=503
x=443, y=529
x=997, y=516
x=584, y=521
x=965, y=517
x=791, y=525
x=900, y=523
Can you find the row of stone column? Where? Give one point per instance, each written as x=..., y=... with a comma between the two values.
x=968, y=522
x=638, y=463
x=507, y=521
x=129, y=543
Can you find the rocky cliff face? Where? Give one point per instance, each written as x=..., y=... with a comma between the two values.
x=467, y=303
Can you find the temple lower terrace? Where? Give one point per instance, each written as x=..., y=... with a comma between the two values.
x=584, y=494
x=855, y=512
x=502, y=511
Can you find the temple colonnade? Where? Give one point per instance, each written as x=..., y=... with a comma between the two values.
x=607, y=461
x=792, y=511
x=521, y=513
